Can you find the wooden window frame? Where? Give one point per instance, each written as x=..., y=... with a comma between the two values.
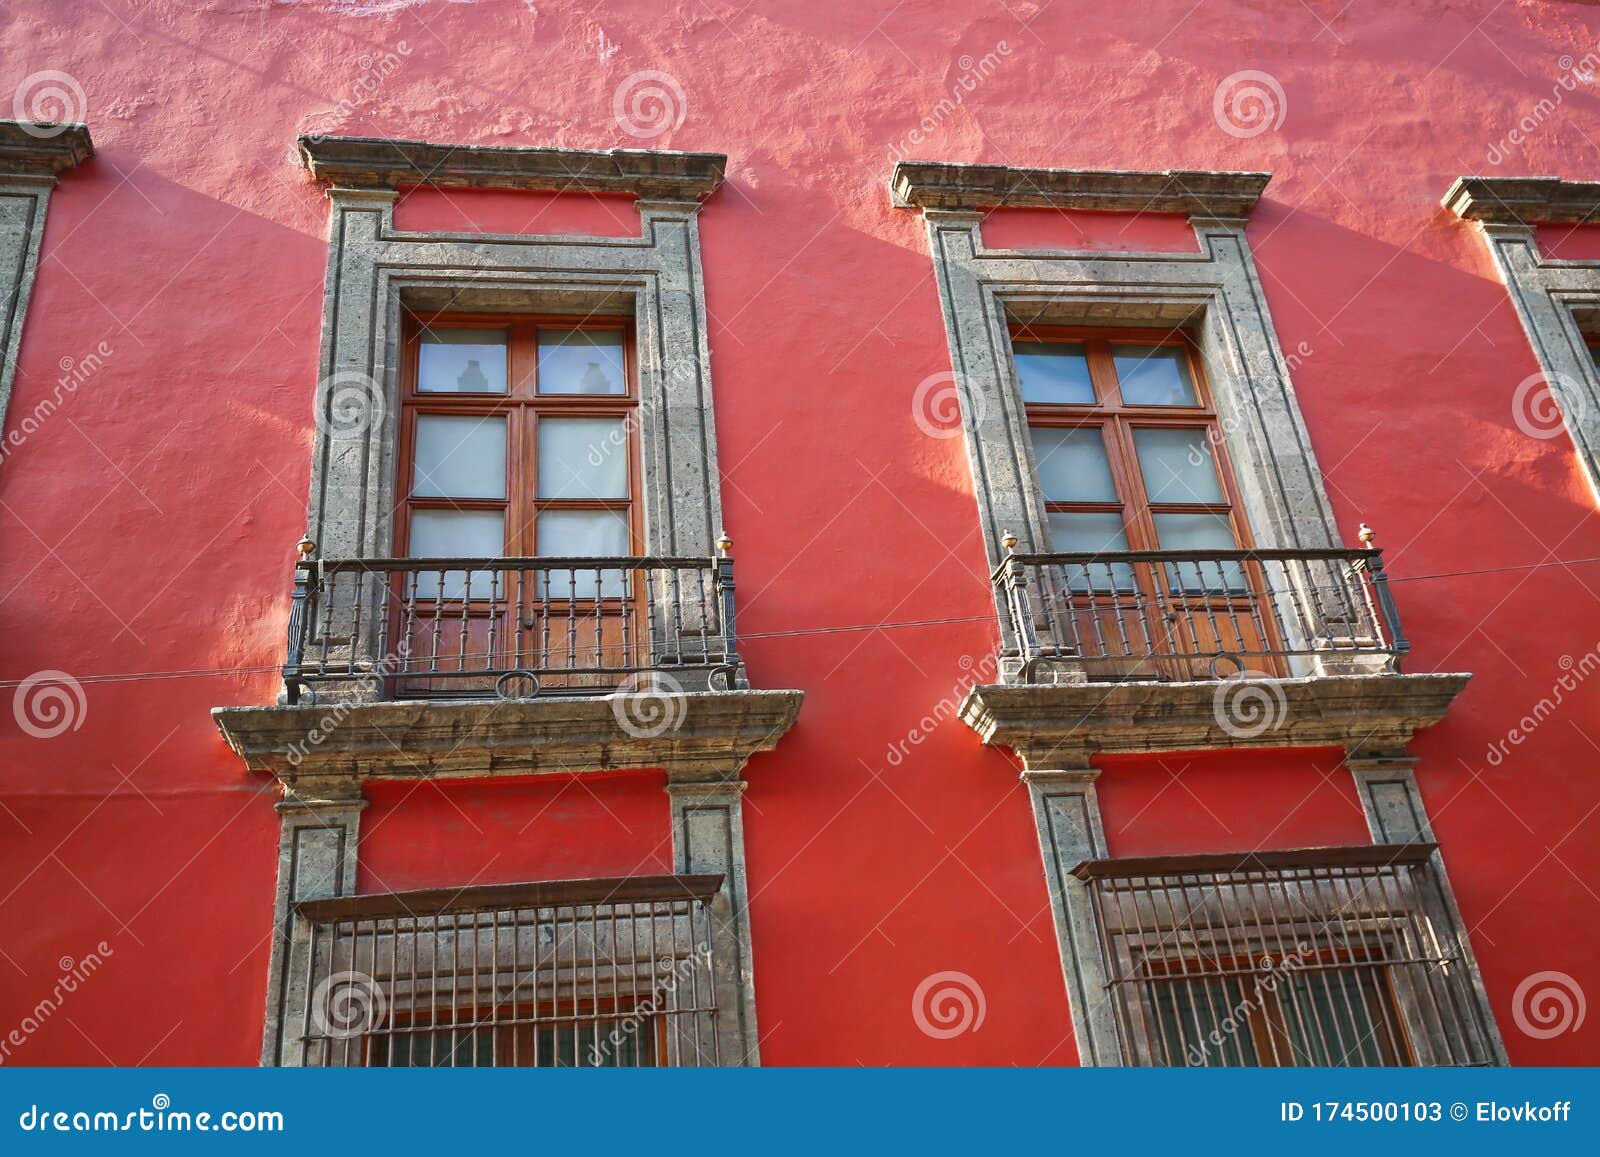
x=523, y=407
x=1117, y=420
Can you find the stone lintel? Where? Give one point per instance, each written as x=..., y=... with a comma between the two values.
x=36, y=149
x=377, y=162
x=1043, y=724
x=313, y=748
x=1200, y=193
x=1524, y=200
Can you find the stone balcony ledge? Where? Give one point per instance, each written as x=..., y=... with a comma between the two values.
x=1055, y=725
x=698, y=735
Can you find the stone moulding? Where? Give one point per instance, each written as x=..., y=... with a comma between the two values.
x=1053, y=725
x=1556, y=300
x=42, y=150
x=379, y=163
x=1524, y=200
x=1201, y=193
x=715, y=733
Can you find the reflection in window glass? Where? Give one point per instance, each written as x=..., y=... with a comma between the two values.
x=1153, y=376
x=580, y=361
x=462, y=361
x=1053, y=372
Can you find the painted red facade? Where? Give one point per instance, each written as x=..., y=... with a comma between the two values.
x=147, y=528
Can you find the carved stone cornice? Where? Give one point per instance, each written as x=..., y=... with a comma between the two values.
x=1196, y=192
x=1524, y=200
x=1040, y=722
x=381, y=163
x=29, y=149
x=704, y=735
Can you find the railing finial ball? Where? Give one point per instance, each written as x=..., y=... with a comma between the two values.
x=305, y=546
x=724, y=544
x=1008, y=540
x=1365, y=534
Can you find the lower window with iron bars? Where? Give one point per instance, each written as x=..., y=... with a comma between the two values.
x=597, y=973
x=1325, y=957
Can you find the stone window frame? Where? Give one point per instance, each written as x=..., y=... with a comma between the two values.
x=1557, y=301
x=1214, y=293
x=374, y=272
x=32, y=155
x=1218, y=295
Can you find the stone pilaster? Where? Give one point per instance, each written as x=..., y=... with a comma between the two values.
x=316, y=859
x=1067, y=813
x=708, y=837
x=1387, y=784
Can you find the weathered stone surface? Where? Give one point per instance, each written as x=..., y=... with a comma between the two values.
x=1524, y=200
x=42, y=150
x=715, y=733
x=943, y=185
x=380, y=163
x=1039, y=723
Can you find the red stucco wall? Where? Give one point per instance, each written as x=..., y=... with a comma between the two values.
x=149, y=525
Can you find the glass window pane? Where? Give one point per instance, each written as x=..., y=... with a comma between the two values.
x=1072, y=465
x=583, y=458
x=582, y=534
x=459, y=456
x=462, y=361
x=580, y=361
x=1091, y=533
x=1177, y=466
x=457, y=534
x=1154, y=375
x=1053, y=372
x=1199, y=532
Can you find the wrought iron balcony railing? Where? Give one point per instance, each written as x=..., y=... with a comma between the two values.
x=511, y=627
x=1322, y=956
x=609, y=973
x=1200, y=614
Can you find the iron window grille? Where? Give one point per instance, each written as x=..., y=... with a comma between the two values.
x=1328, y=956
x=606, y=973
